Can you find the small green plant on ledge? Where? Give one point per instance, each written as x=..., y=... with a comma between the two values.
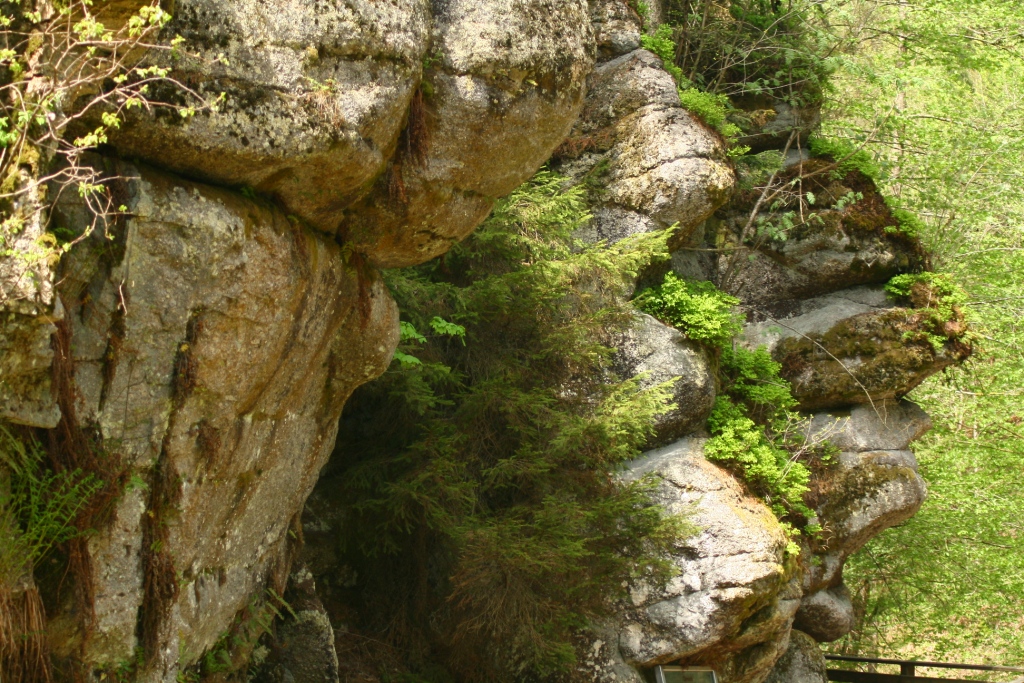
x=662, y=44
x=713, y=110
x=847, y=157
x=698, y=309
x=907, y=222
x=938, y=302
x=756, y=433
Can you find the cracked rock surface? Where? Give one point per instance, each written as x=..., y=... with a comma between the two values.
x=735, y=595
x=213, y=351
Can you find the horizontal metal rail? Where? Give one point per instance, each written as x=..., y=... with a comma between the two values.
x=843, y=676
x=912, y=664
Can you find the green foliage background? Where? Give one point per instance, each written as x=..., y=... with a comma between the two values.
x=933, y=90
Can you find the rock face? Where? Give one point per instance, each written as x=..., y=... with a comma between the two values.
x=826, y=615
x=318, y=97
x=802, y=662
x=734, y=599
x=873, y=485
x=214, y=342
x=206, y=342
x=663, y=353
x=304, y=643
x=28, y=309
x=842, y=235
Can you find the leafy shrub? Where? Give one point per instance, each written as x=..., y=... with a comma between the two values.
x=711, y=108
x=752, y=377
x=756, y=433
x=941, y=285
x=907, y=222
x=662, y=44
x=939, y=300
x=698, y=309
x=846, y=156
x=755, y=169
x=479, y=501
x=740, y=443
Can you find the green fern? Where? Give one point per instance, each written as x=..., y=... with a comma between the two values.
x=38, y=507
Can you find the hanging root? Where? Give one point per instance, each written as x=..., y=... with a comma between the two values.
x=23, y=653
x=416, y=137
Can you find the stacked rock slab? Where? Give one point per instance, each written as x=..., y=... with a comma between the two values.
x=738, y=594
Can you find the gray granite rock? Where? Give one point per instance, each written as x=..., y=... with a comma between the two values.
x=215, y=342
x=884, y=426
x=734, y=599
x=802, y=662
x=852, y=347
x=317, y=97
x=659, y=166
x=662, y=352
x=826, y=615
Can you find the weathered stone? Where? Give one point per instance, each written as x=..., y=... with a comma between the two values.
x=317, y=98
x=843, y=351
x=303, y=649
x=669, y=167
x=28, y=309
x=884, y=426
x=215, y=341
x=510, y=84
x=735, y=596
x=826, y=615
x=662, y=352
x=865, y=493
x=616, y=27
x=658, y=164
x=802, y=663
x=25, y=358
x=832, y=235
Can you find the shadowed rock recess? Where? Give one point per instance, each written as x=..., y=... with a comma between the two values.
x=204, y=343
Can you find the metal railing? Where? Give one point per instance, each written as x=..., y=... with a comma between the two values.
x=908, y=671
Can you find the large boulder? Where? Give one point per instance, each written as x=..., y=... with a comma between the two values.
x=733, y=601
x=827, y=614
x=657, y=164
x=860, y=496
x=510, y=82
x=884, y=426
x=617, y=28
x=854, y=347
x=212, y=344
x=662, y=353
x=831, y=235
x=317, y=98
x=872, y=485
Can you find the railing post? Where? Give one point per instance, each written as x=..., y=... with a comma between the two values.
x=907, y=669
